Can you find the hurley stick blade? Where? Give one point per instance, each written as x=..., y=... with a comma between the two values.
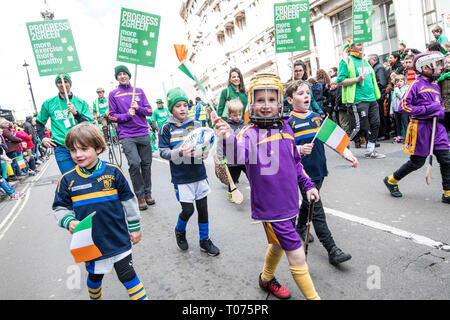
x=236, y=195
x=429, y=170
x=428, y=174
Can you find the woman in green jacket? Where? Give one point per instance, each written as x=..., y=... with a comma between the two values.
x=235, y=89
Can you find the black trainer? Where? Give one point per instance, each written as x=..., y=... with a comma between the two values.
x=207, y=246
x=393, y=188
x=336, y=256
x=181, y=239
x=445, y=199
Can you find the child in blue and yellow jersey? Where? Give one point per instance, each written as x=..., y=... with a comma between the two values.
x=188, y=173
x=305, y=125
x=98, y=186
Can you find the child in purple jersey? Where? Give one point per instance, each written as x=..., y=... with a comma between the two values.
x=423, y=102
x=267, y=148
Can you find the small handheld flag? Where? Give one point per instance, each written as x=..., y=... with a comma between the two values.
x=82, y=247
x=333, y=136
x=181, y=52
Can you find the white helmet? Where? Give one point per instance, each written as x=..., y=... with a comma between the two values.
x=430, y=59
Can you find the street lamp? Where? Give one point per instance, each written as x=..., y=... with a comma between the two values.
x=29, y=83
x=47, y=14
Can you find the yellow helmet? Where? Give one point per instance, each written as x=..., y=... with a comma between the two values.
x=264, y=81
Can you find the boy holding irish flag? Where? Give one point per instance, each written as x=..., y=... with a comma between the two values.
x=308, y=126
x=95, y=203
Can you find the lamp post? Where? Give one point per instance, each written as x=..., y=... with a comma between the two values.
x=29, y=83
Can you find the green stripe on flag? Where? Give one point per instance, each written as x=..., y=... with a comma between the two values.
x=326, y=130
x=183, y=68
x=84, y=224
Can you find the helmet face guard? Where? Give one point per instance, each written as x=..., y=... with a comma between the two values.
x=430, y=59
x=265, y=81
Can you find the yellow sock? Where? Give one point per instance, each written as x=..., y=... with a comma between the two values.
x=447, y=193
x=273, y=257
x=392, y=180
x=303, y=280
x=135, y=289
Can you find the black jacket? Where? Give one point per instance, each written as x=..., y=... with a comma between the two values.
x=382, y=77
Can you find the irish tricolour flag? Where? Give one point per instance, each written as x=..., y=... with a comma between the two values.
x=82, y=246
x=333, y=136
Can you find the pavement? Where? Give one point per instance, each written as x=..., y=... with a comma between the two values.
x=15, y=184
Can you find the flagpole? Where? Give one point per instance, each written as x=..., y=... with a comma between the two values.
x=319, y=129
x=65, y=94
x=134, y=83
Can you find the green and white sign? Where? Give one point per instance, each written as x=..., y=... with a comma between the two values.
x=53, y=47
x=291, y=20
x=138, y=37
x=362, y=20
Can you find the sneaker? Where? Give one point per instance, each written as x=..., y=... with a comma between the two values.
x=374, y=155
x=336, y=256
x=357, y=145
x=31, y=172
x=207, y=246
x=274, y=287
x=445, y=199
x=181, y=239
x=142, y=204
x=393, y=188
x=149, y=200
x=17, y=196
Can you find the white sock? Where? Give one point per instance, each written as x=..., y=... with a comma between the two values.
x=370, y=147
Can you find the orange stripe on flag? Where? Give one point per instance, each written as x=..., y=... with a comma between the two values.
x=86, y=253
x=181, y=51
x=343, y=144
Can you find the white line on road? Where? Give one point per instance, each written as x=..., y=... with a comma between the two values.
x=13, y=214
x=380, y=226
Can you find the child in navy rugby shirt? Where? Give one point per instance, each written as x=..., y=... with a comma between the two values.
x=95, y=185
x=188, y=173
x=305, y=125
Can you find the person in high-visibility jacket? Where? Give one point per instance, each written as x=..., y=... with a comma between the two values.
x=201, y=113
x=191, y=110
x=360, y=92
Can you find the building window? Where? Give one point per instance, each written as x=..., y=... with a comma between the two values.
x=229, y=29
x=220, y=37
x=384, y=34
x=240, y=20
x=430, y=18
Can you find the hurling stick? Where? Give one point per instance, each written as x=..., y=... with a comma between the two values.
x=236, y=195
x=430, y=157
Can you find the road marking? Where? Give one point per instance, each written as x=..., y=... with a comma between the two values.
x=384, y=227
x=13, y=214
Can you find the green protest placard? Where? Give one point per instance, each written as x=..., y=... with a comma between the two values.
x=291, y=20
x=138, y=37
x=53, y=47
x=362, y=20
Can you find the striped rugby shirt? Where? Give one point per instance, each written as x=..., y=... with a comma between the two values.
x=105, y=191
x=305, y=127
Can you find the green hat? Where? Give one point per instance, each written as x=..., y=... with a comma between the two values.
x=65, y=76
x=159, y=101
x=174, y=95
x=121, y=68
